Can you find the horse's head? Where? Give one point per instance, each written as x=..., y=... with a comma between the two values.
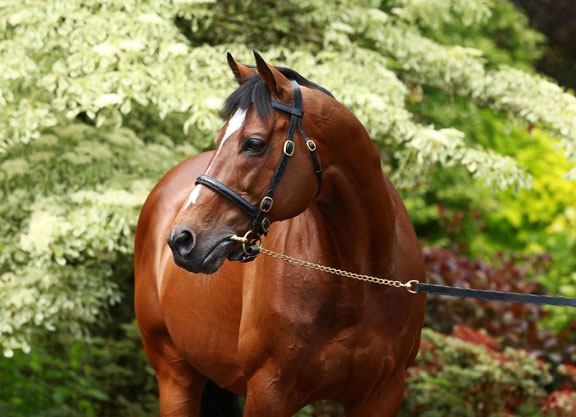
x=265, y=167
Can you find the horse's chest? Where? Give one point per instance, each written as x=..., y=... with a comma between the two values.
x=315, y=352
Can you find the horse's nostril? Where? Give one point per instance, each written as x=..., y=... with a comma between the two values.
x=181, y=240
x=184, y=242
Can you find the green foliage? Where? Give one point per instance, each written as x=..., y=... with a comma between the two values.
x=543, y=219
x=470, y=376
x=99, y=99
x=539, y=220
x=71, y=208
x=79, y=378
x=94, y=73
x=496, y=28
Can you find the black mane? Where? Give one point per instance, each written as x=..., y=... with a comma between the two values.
x=255, y=91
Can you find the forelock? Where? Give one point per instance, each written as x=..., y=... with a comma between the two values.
x=254, y=91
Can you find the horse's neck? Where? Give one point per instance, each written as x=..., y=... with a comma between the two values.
x=357, y=213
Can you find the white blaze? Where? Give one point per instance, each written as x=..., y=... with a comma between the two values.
x=193, y=196
x=234, y=124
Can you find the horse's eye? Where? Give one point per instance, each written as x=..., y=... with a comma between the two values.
x=253, y=145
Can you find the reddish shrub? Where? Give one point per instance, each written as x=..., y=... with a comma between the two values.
x=475, y=337
x=561, y=404
x=516, y=324
x=569, y=372
x=469, y=375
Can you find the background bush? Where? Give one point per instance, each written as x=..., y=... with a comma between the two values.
x=468, y=375
x=99, y=99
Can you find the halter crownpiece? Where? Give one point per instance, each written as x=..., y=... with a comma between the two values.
x=261, y=223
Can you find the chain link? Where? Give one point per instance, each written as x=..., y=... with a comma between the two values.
x=311, y=265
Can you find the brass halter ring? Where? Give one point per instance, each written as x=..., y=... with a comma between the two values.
x=245, y=240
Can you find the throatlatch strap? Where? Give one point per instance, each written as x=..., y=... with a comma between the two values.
x=298, y=112
x=228, y=193
x=315, y=161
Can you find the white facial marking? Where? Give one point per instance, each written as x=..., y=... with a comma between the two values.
x=192, y=197
x=234, y=124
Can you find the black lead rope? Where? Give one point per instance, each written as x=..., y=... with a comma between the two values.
x=493, y=295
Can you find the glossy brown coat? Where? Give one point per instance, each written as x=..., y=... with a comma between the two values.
x=281, y=334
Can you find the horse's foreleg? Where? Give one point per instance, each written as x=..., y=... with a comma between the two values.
x=386, y=402
x=180, y=385
x=267, y=396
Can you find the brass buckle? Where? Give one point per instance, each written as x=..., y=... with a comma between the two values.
x=289, y=152
x=311, y=145
x=266, y=224
x=263, y=204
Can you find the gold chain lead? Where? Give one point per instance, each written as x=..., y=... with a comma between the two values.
x=368, y=278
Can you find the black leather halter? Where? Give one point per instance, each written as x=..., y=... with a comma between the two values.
x=261, y=223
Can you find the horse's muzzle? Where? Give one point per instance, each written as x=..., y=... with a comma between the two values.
x=203, y=255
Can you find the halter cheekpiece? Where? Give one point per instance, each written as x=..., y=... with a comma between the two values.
x=261, y=223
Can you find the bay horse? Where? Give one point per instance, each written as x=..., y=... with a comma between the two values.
x=276, y=332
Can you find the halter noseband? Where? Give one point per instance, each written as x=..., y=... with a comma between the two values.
x=261, y=223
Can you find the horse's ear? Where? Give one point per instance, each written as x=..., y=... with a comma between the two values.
x=279, y=85
x=241, y=72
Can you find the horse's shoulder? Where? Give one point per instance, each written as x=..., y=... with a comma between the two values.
x=183, y=175
x=167, y=196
